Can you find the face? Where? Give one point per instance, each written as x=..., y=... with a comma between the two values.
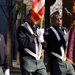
x=29, y=19
x=57, y=21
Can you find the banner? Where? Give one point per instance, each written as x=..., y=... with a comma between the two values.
x=71, y=41
x=37, y=10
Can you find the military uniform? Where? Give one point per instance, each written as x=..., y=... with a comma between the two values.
x=30, y=61
x=56, y=46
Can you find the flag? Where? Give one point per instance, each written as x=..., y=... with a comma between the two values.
x=71, y=41
x=37, y=10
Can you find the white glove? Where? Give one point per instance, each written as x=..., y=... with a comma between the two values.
x=7, y=72
x=40, y=33
x=66, y=36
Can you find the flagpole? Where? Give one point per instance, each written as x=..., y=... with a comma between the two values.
x=41, y=22
x=37, y=14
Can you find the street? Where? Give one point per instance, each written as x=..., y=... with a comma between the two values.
x=15, y=71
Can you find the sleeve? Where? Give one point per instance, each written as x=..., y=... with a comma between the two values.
x=53, y=45
x=44, y=44
x=24, y=38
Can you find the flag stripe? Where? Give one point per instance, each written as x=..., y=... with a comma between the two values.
x=41, y=11
x=34, y=3
x=39, y=5
x=35, y=15
x=37, y=10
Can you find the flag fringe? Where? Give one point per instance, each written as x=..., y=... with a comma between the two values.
x=71, y=61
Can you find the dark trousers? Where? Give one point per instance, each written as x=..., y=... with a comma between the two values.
x=31, y=66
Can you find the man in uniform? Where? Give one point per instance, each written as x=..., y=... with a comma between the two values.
x=29, y=36
x=56, y=47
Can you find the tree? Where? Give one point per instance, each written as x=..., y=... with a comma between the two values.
x=9, y=32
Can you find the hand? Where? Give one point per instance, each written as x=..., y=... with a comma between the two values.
x=7, y=72
x=40, y=33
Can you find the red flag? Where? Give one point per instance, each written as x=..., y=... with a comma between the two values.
x=37, y=10
x=71, y=42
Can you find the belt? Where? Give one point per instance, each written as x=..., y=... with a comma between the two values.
x=28, y=55
x=32, y=53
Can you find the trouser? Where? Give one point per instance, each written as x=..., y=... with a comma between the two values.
x=1, y=71
x=62, y=68
x=74, y=67
x=30, y=66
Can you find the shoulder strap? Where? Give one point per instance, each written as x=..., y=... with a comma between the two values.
x=28, y=28
x=61, y=48
x=56, y=33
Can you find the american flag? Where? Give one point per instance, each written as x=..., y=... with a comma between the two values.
x=37, y=10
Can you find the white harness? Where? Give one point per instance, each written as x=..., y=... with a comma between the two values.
x=61, y=48
x=37, y=55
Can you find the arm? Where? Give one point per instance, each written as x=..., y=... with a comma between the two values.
x=24, y=38
x=53, y=43
x=44, y=44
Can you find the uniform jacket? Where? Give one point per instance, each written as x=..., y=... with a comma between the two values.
x=53, y=45
x=26, y=39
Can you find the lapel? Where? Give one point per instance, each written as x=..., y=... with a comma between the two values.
x=61, y=31
x=28, y=28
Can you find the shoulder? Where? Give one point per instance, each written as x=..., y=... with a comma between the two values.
x=49, y=31
x=64, y=28
x=22, y=27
